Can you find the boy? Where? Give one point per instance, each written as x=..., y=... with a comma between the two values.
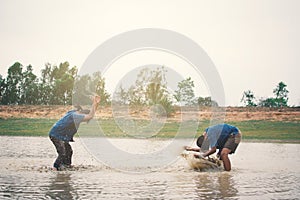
x=224, y=137
x=64, y=129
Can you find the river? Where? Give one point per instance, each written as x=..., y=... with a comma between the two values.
x=259, y=171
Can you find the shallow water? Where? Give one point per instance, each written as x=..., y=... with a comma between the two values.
x=259, y=171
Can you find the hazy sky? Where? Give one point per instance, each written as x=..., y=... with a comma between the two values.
x=253, y=44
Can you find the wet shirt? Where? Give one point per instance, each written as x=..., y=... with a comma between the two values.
x=218, y=134
x=67, y=126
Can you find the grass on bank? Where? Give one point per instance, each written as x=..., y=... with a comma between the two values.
x=257, y=130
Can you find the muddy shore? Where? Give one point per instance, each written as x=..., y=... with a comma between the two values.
x=230, y=113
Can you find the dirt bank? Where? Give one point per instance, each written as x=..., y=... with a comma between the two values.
x=230, y=113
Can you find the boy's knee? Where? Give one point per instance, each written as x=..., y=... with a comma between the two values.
x=224, y=152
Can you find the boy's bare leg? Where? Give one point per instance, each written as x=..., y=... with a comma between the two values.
x=225, y=159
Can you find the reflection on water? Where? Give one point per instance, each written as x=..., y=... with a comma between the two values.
x=215, y=186
x=61, y=187
x=260, y=170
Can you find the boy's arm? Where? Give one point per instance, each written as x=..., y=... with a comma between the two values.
x=96, y=100
x=207, y=153
x=187, y=148
x=210, y=151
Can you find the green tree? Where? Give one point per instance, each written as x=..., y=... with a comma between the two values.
x=63, y=82
x=136, y=96
x=154, y=89
x=140, y=93
x=22, y=86
x=281, y=94
x=185, y=93
x=2, y=88
x=206, y=102
x=98, y=85
x=11, y=93
x=280, y=99
x=150, y=88
x=268, y=102
x=81, y=90
x=157, y=95
x=154, y=93
x=121, y=96
x=29, y=93
x=87, y=85
x=45, y=87
x=248, y=99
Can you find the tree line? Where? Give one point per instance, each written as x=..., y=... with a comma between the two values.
x=150, y=88
x=61, y=85
x=58, y=85
x=279, y=100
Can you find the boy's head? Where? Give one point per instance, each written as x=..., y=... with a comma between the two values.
x=200, y=141
x=82, y=111
x=85, y=111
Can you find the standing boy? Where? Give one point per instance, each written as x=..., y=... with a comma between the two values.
x=63, y=131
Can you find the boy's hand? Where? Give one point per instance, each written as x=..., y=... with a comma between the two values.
x=187, y=148
x=97, y=99
x=199, y=155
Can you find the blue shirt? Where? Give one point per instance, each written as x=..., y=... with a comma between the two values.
x=65, y=128
x=218, y=134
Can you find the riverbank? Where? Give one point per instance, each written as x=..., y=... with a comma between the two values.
x=204, y=113
x=256, y=124
x=252, y=130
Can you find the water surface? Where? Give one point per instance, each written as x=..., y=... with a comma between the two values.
x=259, y=171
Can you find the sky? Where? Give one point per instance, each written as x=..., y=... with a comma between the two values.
x=253, y=44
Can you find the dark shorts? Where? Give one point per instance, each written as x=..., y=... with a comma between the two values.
x=64, y=151
x=233, y=142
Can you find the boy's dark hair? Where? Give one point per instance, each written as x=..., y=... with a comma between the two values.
x=200, y=141
x=83, y=111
